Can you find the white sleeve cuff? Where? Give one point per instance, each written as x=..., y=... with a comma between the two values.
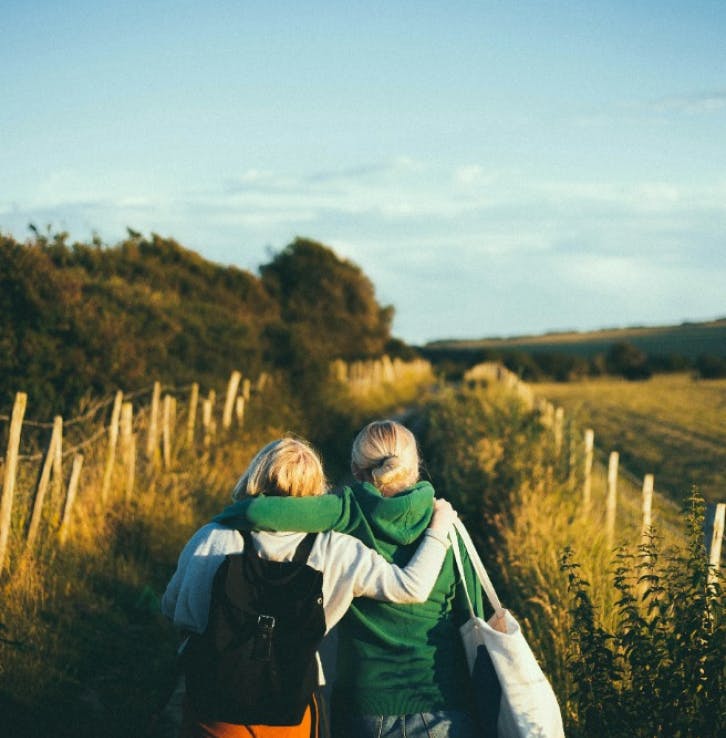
x=439, y=536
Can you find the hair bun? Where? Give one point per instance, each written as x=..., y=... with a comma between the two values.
x=387, y=472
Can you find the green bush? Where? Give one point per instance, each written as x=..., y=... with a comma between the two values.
x=479, y=446
x=660, y=672
x=710, y=366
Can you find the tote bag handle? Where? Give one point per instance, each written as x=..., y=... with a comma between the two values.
x=481, y=572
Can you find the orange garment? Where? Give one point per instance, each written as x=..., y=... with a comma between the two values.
x=308, y=727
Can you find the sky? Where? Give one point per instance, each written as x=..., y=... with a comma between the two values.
x=495, y=168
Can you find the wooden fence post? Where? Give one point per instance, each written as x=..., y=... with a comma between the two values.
x=152, y=439
x=210, y=426
x=340, y=371
x=647, y=505
x=207, y=422
x=240, y=410
x=571, y=456
x=71, y=495
x=172, y=418
x=112, y=442
x=166, y=431
x=612, y=498
x=587, y=480
x=130, y=469
x=714, y=553
x=11, y=467
x=558, y=431
x=34, y=525
x=548, y=414
x=128, y=447
x=57, y=486
x=262, y=381
x=192, y=417
x=232, y=388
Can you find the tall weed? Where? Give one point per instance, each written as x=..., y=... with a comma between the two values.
x=660, y=670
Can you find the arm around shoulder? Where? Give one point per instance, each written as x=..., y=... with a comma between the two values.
x=373, y=576
x=301, y=514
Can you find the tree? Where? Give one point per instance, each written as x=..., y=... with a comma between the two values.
x=710, y=366
x=327, y=305
x=628, y=361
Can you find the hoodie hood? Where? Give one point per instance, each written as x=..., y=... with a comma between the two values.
x=400, y=519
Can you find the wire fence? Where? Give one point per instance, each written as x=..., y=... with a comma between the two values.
x=104, y=443
x=622, y=496
x=124, y=441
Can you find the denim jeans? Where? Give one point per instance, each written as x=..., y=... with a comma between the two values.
x=441, y=724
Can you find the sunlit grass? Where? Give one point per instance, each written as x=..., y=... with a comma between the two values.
x=525, y=506
x=670, y=425
x=83, y=642
x=383, y=384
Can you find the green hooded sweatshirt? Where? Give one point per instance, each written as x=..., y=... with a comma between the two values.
x=392, y=659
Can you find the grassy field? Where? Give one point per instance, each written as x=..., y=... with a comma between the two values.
x=671, y=425
x=689, y=339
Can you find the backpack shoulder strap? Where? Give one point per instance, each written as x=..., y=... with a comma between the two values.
x=249, y=543
x=302, y=552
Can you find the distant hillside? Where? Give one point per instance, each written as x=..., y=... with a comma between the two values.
x=688, y=339
x=633, y=352
x=79, y=320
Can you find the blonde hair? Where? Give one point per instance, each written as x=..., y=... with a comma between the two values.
x=288, y=467
x=385, y=453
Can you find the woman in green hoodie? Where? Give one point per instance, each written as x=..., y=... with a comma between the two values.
x=401, y=669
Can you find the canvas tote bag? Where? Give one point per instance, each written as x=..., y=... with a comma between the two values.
x=528, y=708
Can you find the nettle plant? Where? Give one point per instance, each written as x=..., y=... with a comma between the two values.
x=660, y=671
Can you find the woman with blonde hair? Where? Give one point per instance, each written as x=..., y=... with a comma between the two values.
x=345, y=569
x=401, y=669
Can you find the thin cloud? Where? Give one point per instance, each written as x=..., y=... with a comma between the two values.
x=474, y=175
x=399, y=166
x=698, y=103
x=263, y=182
x=425, y=202
x=352, y=173
x=639, y=197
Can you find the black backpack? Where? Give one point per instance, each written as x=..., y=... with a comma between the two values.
x=255, y=663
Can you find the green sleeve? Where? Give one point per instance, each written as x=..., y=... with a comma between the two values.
x=305, y=514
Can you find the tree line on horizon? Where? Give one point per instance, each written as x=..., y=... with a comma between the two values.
x=621, y=359
x=79, y=320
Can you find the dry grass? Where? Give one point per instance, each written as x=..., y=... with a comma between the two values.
x=84, y=650
x=670, y=425
x=382, y=384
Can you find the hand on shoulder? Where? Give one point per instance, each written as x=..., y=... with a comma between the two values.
x=444, y=516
